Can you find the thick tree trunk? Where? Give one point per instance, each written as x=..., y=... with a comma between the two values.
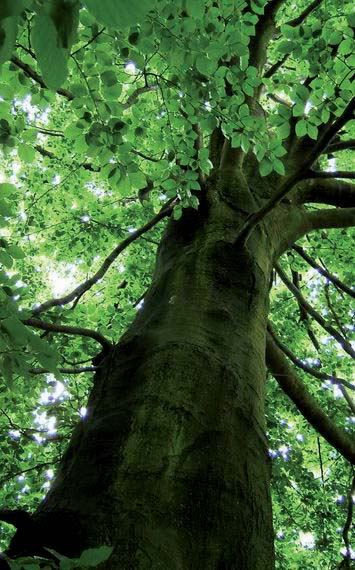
x=170, y=466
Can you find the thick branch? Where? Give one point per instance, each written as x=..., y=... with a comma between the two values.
x=254, y=219
x=345, y=344
x=81, y=289
x=290, y=181
x=263, y=33
x=332, y=278
x=341, y=145
x=334, y=174
x=335, y=218
x=306, y=404
x=326, y=191
x=51, y=327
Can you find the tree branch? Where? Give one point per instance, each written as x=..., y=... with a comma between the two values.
x=334, y=174
x=341, y=145
x=334, y=218
x=30, y=72
x=275, y=66
x=263, y=33
x=326, y=191
x=139, y=91
x=306, y=404
x=51, y=327
x=323, y=271
x=322, y=143
x=78, y=291
x=290, y=181
x=75, y=370
x=301, y=18
x=345, y=344
x=348, y=522
x=300, y=364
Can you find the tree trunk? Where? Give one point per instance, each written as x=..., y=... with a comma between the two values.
x=170, y=466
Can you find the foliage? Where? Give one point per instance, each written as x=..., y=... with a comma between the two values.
x=101, y=109
x=90, y=558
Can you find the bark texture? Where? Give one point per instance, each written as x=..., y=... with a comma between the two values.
x=170, y=466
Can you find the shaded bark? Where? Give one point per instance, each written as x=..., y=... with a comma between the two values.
x=170, y=466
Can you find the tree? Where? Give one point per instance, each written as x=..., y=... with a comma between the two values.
x=216, y=135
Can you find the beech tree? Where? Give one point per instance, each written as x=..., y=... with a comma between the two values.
x=176, y=214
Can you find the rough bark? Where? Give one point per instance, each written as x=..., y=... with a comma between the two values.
x=170, y=466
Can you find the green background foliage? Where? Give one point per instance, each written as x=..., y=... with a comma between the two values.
x=99, y=101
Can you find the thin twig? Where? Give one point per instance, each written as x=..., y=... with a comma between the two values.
x=335, y=280
x=345, y=344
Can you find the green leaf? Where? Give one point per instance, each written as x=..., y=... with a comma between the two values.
x=6, y=189
x=118, y=15
x=278, y=166
x=15, y=251
x=335, y=38
x=265, y=167
x=195, y=8
x=26, y=152
x=346, y=46
x=10, y=8
x=137, y=180
x=243, y=110
x=17, y=331
x=65, y=17
x=236, y=140
x=51, y=58
x=109, y=78
x=5, y=259
x=301, y=128
x=8, y=32
x=286, y=47
x=177, y=212
x=5, y=208
x=205, y=65
x=245, y=143
x=94, y=556
x=312, y=131
x=302, y=92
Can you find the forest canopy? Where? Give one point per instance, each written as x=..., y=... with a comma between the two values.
x=112, y=120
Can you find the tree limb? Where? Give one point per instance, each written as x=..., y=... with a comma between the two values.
x=334, y=174
x=326, y=191
x=275, y=66
x=306, y=404
x=349, y=520
x=341, y=145
x=334, y=218
x=323, y=271
x=306, y=12
x=345, y=344
x=326, y=137
x=139, y=91
x=51, y=327
x=78, y=291
x=75, y=370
